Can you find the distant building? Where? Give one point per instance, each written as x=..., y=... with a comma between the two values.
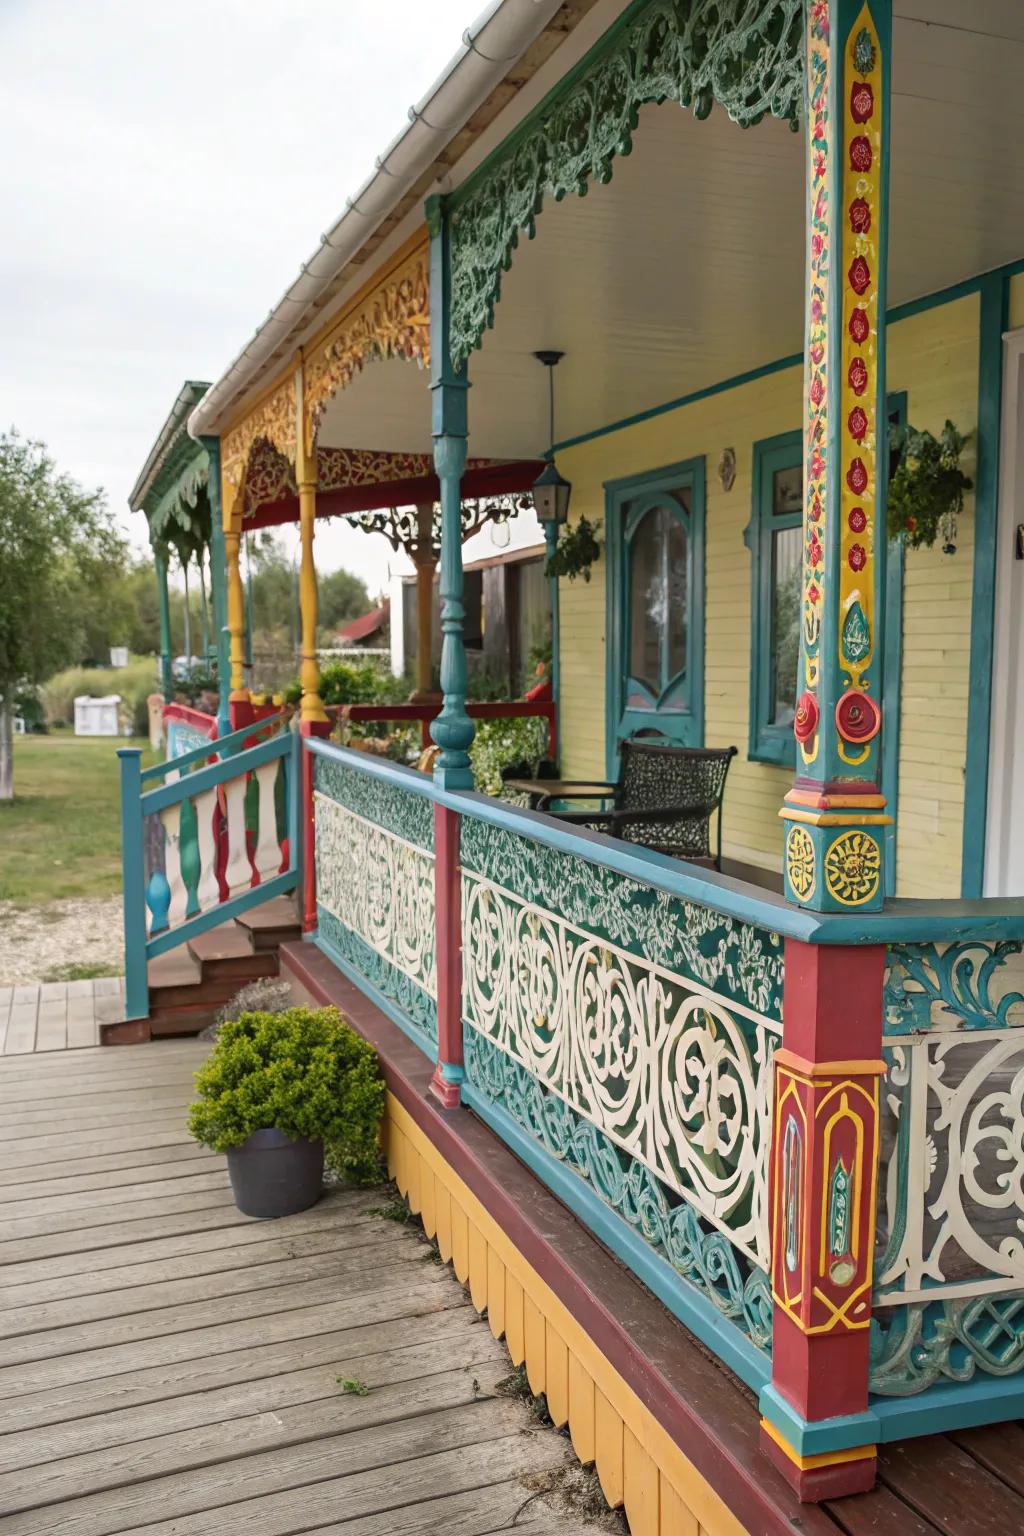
x=370, y=632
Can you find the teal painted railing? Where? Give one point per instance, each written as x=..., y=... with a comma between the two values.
x=618, y=1021
x=205, y=845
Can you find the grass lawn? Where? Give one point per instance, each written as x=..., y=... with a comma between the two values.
x=62, y=834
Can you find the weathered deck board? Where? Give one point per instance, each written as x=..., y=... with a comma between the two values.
x=168, y=1365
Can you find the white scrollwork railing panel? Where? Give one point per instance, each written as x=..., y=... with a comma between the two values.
x=379, y=886
x=952, y=1166
x=675, y=1074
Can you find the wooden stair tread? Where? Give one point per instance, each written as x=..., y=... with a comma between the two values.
x=177, y=968
x=278, y=913
x=228, y=941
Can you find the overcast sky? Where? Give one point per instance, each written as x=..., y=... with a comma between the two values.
x=166, y=166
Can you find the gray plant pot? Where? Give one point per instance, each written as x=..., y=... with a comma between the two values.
x=272, y=1175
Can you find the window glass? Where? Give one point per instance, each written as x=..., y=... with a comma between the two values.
x=677, y=614
x=785, y=637
x=648, y=602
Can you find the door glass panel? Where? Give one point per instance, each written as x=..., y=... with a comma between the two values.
x=787, y=548
x=648, y=600
x=677, y=614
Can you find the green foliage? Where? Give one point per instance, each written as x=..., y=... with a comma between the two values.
x=340, y=598
x=57, y=542
x=134, y=683
x=578, y=549
x=352, y=1386
x=340, y=595
x=192, y=687
x=505, y=744
x=926, y=492
x=304, y=1072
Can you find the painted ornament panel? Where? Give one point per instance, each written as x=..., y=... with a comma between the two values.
x=858, y=717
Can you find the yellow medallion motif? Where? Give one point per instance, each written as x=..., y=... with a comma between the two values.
x=853, y=868
x=800, y=862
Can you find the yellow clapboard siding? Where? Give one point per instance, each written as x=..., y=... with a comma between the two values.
x=933, y=356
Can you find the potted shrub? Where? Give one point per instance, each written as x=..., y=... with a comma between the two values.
x=278, y=1091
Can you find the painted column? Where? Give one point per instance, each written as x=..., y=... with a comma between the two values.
x=823, y=1178
x=313, y=718
x=426, y=565
x=248, y=615
x=218, y=585
x=239, y=694
x=166, y=671
x=453, y=729
x=835, y=812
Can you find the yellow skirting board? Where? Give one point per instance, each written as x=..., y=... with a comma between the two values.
x=638, y=1463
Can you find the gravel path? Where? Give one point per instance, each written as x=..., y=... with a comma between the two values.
x=38, y=942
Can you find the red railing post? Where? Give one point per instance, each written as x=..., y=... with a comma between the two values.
x=822, y=1193
x=308, y=825
x=448, y=1073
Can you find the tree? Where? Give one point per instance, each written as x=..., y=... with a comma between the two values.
x=341, y=597
x=57, y=541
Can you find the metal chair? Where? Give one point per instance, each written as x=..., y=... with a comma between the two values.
x=664, y=799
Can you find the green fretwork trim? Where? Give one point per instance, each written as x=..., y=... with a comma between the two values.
x=418, y=1006
x=914, y=1347
x=745, y=54
x=740, y=962
x=384, y=805
x=956, y=977
x=178, y=499
x=702, y=1256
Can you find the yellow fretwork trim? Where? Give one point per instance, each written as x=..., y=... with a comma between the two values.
x=821, y=1458
x=835, y=819
x=639, y=1464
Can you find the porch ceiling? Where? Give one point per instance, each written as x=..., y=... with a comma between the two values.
x=687, y=268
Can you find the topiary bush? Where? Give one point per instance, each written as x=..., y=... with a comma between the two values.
x=304, y=1072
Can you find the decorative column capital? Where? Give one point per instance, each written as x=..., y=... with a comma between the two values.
x=835, y=811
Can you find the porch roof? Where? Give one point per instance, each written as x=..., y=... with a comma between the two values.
x=176, y=470
x=692, y=257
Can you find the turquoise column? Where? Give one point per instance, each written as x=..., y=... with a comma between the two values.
x=453, y=729
x=219, y=586
x=835, y=814
x=166, y=675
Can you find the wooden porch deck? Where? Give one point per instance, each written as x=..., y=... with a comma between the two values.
x=169, y=1366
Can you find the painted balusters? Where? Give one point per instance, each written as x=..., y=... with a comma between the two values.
x=267, y=853
x=238, y=870
x=207, y=816
x=177, y=901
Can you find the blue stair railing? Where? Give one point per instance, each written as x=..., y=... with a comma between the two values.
x=207, y=842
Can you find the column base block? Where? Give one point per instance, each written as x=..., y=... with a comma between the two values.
x=828, y=1475
x=444, y=1089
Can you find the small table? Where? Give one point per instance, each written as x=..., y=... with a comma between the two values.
x=559, y=789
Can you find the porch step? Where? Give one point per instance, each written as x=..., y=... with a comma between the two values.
x=188, y=986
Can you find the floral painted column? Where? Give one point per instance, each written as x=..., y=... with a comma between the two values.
x=817, y=1422
x=835, y=812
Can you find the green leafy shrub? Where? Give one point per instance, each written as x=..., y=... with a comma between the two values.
x=304, y=1072
x=926, y=492
x=504, y=744
x=578, y=548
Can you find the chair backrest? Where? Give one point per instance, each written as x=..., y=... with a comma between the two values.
x=690, y=781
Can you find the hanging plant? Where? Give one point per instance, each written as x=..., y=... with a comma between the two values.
x=578, y=549
x=926, y=491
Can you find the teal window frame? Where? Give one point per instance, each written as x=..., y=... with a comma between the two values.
x=626, y=502
x=766, y=741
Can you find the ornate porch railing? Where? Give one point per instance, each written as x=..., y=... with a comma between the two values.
x=616, y=1017
x=949, y=1269
x=620, y=1038
x=187, y=729
x=208, y=841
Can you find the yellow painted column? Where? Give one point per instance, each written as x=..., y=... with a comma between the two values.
x=426, y=567
x=236, y=613
x=312, y=708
